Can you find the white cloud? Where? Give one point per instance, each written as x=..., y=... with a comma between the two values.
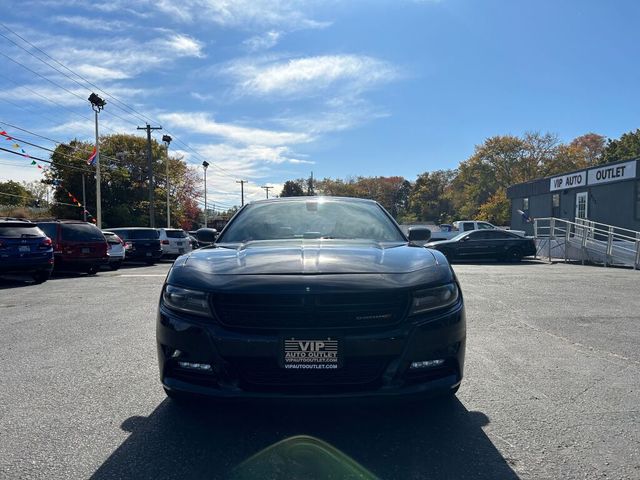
x=202, y=123
x=310, y=75
x=263, y=42
x=92, y=24
x=181, y=45
x=289, y=14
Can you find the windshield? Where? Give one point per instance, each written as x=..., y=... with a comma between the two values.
x=81, y=232
x=176, y=233
x=20, y=231
x=137, y=234
x=314, y=218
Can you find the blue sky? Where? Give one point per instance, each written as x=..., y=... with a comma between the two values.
x=270, y=90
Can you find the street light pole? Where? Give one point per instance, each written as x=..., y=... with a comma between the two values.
x=97, y=104
x=84, y=201
x=205, y=164
x=167, y=140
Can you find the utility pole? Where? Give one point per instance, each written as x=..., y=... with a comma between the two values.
x=167, y=140
x=266, y=189
x=242, y=182
x=152, y=209
x=97, y=104
x=84, y=201
x=205, y=164
x=310, y=190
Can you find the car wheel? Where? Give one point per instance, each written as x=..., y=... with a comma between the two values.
x=514, y=255
x=150, y=262
x=115, y=266
x=41, y=277
x=92, y=270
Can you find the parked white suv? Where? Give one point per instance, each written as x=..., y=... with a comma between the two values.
x=116, y=251
x=174, y=241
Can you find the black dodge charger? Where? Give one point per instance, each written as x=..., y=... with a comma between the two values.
x=311, y=297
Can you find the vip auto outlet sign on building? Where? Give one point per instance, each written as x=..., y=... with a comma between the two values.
x=604, y=174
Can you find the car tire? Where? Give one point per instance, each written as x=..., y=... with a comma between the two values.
x=41, y=277
x=115, y=266
x=92, y=270
x=513, y=255
x=150, y=262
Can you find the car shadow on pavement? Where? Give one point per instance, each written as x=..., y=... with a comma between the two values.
x=431, y=440
x=16, y=281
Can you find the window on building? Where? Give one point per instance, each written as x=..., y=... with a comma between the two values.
x=555, y=205
x=525, y=204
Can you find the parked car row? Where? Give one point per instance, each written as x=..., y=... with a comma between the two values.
x=36, y=247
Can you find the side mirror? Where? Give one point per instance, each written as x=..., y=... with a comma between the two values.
x=465, y=239
x=419, y=234
x=207, y=235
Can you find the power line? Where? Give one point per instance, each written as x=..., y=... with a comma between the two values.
x=225, y=172
x=140, y=115
x=24, y=155
x=115, y=159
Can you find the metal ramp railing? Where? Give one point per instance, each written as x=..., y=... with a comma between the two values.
x=587, y=241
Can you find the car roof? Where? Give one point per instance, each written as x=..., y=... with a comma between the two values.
x=133, y=228
x=57, y=220
x=15, y=220
x=314, y=197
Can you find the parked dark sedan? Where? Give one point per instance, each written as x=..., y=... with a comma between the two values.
x=311, y=296
x=491, y=244
x=142, y=244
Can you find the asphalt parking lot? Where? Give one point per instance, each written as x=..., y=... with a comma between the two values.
x=552, y=387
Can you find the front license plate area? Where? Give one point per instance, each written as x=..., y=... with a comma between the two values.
x=86, y=250
x=305, y=354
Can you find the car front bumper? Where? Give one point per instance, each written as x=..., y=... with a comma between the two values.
x=391, y=351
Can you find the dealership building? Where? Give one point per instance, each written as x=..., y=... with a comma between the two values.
x=607, y=193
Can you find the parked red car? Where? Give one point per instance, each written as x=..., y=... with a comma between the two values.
x=77, y=245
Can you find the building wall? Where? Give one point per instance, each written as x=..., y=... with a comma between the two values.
x=614, y=203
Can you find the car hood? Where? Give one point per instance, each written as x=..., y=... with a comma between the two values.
x=308, y=257
x=440, y=242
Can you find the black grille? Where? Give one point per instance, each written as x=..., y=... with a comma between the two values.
x=343, y=310
x=265, y=372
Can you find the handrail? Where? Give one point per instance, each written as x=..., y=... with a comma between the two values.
x=587, y=233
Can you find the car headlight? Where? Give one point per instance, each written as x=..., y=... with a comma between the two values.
x=433, y=298
x=185, y=300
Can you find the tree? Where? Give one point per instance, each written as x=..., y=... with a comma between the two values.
x=428, y=200
x=591, y=146
x=497, y=209
x=292, y=188
x=37, y=189
x=14, y=194
x=624, y=148
x=125, y=182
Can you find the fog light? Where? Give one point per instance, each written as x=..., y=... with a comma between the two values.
x=205, y=367
x=176, y=354
x=427, y=363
